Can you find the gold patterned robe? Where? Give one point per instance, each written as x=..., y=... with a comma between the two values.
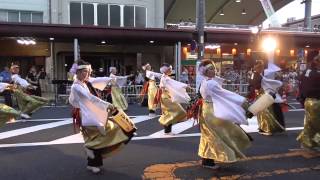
x=152, y=91
x=310, y=136
x=172, y=112
x=7, y=113
x=221, y=139
x=267, y=121
x=29, y=103
x=111, y=143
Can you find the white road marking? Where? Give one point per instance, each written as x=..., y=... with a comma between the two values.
x=77, y=139
x=176, y=129
x=252, y=127
x=61, y=122
x=39, y=120
x=138, y=119
x=27, y=130
x=293, y=110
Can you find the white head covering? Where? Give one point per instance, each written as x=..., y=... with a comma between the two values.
x=112, y=68
x=83, y=67
x=145, y=66
x=165, y=68
x=202, y=69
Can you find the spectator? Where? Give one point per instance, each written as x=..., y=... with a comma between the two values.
x=42, y=79
x=5, y=77
x=139, y=78
x=184, y=77
x=33, y=80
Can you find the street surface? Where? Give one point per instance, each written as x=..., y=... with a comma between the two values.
x=46, y=148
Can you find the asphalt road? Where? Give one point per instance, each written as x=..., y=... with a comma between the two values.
x=47, y=148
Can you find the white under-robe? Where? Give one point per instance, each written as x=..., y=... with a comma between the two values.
x=177, y=90
x=227, y=105
x=93, y=109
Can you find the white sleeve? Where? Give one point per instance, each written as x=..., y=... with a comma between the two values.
x=177, y=91
x=152, y=75
x=3, y=86
x=100, y=82
x=119, y=80
x=95, y=100
x=18, y=80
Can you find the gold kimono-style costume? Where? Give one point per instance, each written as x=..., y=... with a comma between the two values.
x=29, y=103
x=310, y=136
x=172, y=112
x=173, y=93
x=118, y=100
x=7, y=113
x=152, y=88
x=98, y=132
x=152, y=91
x=221, y=140
x=267, y=120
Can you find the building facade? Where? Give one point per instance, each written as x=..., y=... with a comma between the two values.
x=57, y=56
x=298, y=24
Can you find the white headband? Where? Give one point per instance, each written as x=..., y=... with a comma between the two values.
x=203, y=69
x=112, y=68
x=164, y=69
x=84, y=67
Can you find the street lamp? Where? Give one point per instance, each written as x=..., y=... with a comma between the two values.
x=269, y=44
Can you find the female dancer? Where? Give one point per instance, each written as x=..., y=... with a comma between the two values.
x=310, y=90
x=172, y=93
x=102, y=137
x=150, y=87
x=222, y=139
x=7, y=113
x=118, y=100
x=271, y=120
x=27, y=103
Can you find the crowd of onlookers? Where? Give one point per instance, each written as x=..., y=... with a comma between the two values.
x=36, y=77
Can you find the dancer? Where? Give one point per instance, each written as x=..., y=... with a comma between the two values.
x=271, y=120
x=310, y=90
x=172, y=93
x=28, y=104
x=102, y=137
x=7, y=113
x=151, y=88
x=118, y=100
x=222, y=139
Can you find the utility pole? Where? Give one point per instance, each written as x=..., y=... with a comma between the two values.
x=200, y=27
x=307, y=14
x=200, y=20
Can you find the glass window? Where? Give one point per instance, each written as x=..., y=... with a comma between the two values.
x=115, y=15
x=25, y=16
x=37, y=17
x=75, y=13
x=140, y=17
x=128, y=16
x=13, y=16
x=103, y=14
x=88, y=14
x=3, y=15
